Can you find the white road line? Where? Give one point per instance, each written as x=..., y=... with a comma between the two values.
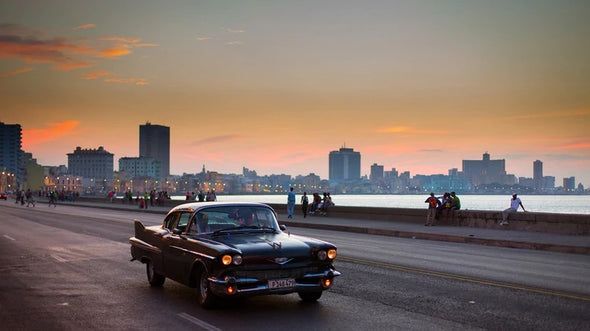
x=58, y=258
x=9, y=238
x=198, y=322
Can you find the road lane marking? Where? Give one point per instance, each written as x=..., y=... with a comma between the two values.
x=469, y=279
x=9, y=237
x=58, y=258
x=198, y=322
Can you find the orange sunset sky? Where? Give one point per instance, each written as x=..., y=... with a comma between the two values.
x=274, y=86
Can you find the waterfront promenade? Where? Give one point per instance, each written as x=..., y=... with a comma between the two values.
x=501, y=237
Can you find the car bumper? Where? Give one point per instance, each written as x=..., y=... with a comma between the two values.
x=245, y=286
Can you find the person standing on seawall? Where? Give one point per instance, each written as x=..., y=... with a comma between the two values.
x=514, y=204
x=290, y=203
x=433, y=204
x=304, y=204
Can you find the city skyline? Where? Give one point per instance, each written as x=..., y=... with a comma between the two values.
x=416, y=86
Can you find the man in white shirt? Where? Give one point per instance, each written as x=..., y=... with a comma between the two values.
x=514, y=204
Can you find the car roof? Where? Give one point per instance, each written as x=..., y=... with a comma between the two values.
x=195, y=206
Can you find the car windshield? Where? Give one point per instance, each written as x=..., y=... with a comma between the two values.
x=215, y=219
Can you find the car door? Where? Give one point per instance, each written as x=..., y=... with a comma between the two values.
x=177, y=257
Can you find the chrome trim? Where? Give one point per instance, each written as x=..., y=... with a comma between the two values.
x=220, y=284
x=193, y=252
x=142, y=244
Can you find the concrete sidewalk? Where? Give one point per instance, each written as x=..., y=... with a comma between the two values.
x=491, y=237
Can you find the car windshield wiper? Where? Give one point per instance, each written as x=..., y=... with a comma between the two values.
x=242, y=227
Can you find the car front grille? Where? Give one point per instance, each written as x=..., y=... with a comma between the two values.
x=275, y=273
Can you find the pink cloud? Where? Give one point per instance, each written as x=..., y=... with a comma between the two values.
x=53, y=132
x=85, y=26
x=15, y=72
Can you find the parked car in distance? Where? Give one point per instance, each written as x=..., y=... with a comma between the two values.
x=231, y=250
x=4, y=195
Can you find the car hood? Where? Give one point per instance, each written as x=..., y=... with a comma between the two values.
x=270, y=244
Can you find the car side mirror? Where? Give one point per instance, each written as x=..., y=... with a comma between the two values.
x=176, y=231
x=283, y=227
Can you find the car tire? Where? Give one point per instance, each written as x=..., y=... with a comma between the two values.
x=310, y=296
x=154, y=278
x=206, y=297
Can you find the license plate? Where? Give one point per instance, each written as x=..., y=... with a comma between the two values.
x=281, y=283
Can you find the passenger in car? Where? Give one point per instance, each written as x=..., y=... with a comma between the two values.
x=203, y=223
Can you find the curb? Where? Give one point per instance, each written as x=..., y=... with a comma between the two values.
x=446, y=238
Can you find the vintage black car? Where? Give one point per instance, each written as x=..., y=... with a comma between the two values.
x=232, y=250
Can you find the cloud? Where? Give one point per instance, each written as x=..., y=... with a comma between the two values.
x=231, y=43
x=120, y=39
x=555, y=114
x=53, y=132
x=203, y=38
x=432, y=150
x=228, y=30
x=85, y=26
x=411, y=131
x=581, y=145
x=96, y=74
x=216, y=140
x=120, y=80
x=115, y=51
x=57, y=51
x=136, y=81
x=15, y=72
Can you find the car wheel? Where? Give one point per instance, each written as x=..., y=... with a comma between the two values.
x=154, y=278
x=310, y=296
x=206, y=297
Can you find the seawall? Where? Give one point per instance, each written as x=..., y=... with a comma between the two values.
x=574, y=224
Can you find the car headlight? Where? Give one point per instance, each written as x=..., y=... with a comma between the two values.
x=332, y=254
x=238, y=259
x=226, y=259
x=322, y=255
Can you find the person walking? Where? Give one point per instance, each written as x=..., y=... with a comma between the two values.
x=290, y=203
x=514, y=204
x=52, y=197
x=304, y=204
x=433, y=204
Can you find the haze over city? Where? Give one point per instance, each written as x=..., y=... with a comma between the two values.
x=274, y=86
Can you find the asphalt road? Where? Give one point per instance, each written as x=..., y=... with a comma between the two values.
x=67, y=268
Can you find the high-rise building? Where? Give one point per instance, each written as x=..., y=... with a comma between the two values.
x=92, y=164
x=154, y=141
x=485, y=171
x=345, y=164
x=538, y=175
x=11, y=155
x=376, y=172
x=569, y=184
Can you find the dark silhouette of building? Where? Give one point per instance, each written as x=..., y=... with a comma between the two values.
x=154, y=142
x=376, y=172
x=538, y=175
x=11, y=154
x=485, y=171
x=345, y=164
x=93, y=164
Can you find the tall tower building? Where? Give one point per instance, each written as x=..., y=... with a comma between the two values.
x=154, y=142
x=538, y=175
x=10, y=151
x=345, y=164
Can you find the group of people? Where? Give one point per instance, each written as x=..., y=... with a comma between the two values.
x=201, y=197
x=451, y=202
x=318, y=206
x=22, y=196
x=443, y=206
